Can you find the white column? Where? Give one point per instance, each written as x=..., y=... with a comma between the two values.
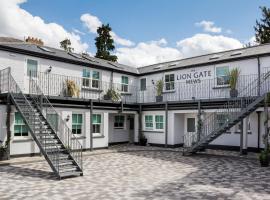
x=136, y=127
x=245, y=135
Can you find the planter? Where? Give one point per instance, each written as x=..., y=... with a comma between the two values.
x=159, y=98
x=143, y=141
x=4, y=154
x=264, y=163
x=106, y=97
x=233, y=93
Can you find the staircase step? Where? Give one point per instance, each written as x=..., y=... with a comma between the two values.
x=69, y=174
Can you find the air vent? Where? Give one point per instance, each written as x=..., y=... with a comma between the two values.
x=75, y=55
x=45, y=49
x=214, y=57
x=236, y=53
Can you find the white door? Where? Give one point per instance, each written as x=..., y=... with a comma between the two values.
x=31, y=70
x=190, y=129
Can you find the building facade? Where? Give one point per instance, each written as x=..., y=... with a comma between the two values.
x=194, y=88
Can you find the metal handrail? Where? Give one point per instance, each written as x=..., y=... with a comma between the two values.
x=27, y=109
x=64, y=133
x=230, y=112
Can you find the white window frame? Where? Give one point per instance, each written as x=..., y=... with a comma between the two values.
x=95, y=134
x=170, y=82
x=82, y=124
x=26, y=66
x=90, y=79
x=216, y=76
x=124, y=122
x=159, y=122
x=23, y=124
x=124, y=84
x=145, y=84
x=154, y=122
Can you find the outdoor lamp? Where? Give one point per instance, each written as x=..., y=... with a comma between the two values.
x=68, y=117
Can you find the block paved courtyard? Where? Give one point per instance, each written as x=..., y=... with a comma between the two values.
x=131, y=172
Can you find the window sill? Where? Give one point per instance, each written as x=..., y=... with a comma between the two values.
x=92, y=89
x=168, y=91
x=98, y=135
x=221, y=87
x=238, y=132
x=17, y=140
x=152, y=131
x=126, y=93
x=79, y=138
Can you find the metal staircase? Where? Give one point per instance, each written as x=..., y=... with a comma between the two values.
x=228, y=115
x=59, y=146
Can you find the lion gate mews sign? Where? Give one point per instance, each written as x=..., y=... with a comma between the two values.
x=194, y=76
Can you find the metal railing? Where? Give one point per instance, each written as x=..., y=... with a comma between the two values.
x=70, y=141
x=230, y=113
x=34, y=123
x=56, y=85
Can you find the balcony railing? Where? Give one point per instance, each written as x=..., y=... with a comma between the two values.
x=55, y=85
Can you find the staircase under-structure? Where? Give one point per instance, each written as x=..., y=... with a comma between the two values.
x=59, y=146
x=228, y=115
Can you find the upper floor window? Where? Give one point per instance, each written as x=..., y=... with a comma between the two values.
x=77, y=123
x=96, y=123
x=91, y=82
x=143, y=84
x=124, y=84
x=119, y=121
x=32, y=67
x=169, y=82
x=20, y=128
x=222, y=75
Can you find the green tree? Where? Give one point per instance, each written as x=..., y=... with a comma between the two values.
x=262, y=27
x=66, y=45
x=105, y=43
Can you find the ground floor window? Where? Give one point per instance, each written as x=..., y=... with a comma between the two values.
x=96, y=123
x=77, y=123
x=53, y=120
x=191, y=125
x=119, y=122
x=148, y=119
x=159, y=119
x=20, y=128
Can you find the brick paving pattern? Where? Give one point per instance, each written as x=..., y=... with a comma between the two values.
x=132, y=172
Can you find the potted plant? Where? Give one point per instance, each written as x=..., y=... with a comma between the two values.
x=112, y=95
x=4, y=150
x=233, y=78
x=72, y=89
x=264, y=158
x=142, y=140
x=159, y=90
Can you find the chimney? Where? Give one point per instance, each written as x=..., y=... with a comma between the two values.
x=35, y=41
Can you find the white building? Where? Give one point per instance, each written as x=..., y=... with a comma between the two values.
x=194, y=88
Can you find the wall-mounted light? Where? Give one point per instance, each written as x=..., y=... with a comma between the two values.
x=50, y=69
x=153, y=82
x=68, y=117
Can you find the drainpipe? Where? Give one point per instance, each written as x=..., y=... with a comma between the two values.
x=91, y=125
x=266, y=122
x=140, y=123
x=259, y=129
x=259, y=75
x=166, y=124
x=241, y=136
x=8, y=124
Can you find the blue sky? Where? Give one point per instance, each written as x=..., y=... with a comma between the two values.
x=149, y=22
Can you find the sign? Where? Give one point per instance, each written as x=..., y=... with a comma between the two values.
x=194, y=76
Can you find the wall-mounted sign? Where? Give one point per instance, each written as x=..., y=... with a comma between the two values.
x=194, y=76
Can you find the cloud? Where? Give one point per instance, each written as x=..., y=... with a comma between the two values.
x=209, y=26
x=92, y=22
x=204, y=43
x=146, y=53
x=17, y=22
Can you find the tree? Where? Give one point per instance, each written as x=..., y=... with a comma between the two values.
x=66, y=45
x=105, y=43
x=262, y=27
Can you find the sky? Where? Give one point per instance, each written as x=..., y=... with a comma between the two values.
x=145, y=31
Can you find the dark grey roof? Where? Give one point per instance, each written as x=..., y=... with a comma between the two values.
x=9, y=39
x=61, y=54
x=212, y=58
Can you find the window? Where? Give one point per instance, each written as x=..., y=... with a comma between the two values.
x=124, y=84
x=119, y=121
x=96, y=122
x=32, y=66
x=86, y=78
x=20, y=128
x=95, y=79
x=148, y=119
x=159, y=119
x=53, y=120
x=190, y=125
x=143, y=84
x=77, y=123
x=222, y=74
x=169, y=82
x=221, y=119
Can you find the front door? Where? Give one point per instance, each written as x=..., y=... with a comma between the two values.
x=190, y=130
x=31, y=71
